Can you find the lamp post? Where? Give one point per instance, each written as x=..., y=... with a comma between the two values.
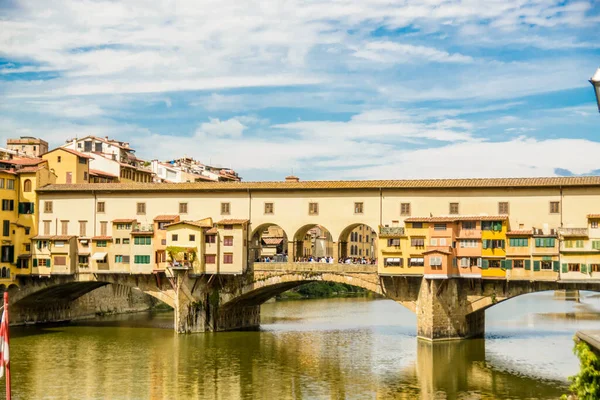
x=595, y=81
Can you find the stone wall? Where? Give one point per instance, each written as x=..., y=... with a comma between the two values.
x=109, y=299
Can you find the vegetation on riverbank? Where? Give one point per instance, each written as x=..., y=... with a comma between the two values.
x=321, y=290
x=586, y=384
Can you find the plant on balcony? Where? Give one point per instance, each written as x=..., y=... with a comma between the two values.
x=177, y=254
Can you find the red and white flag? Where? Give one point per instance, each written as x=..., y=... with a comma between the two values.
x=4, y=353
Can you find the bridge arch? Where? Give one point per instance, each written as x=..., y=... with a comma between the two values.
x=267, y=240
x=357, y=240
x=267, y=285
x=312, y=240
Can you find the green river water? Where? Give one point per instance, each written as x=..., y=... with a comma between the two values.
x=342, y=348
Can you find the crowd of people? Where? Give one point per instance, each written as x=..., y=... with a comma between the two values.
x=324, y=260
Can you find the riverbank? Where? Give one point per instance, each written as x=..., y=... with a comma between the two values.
x=324, y=290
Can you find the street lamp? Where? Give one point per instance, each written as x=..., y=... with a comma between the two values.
x=595, y=81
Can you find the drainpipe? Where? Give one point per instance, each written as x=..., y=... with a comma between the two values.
x=94, y=211
x=560, y=189
x=380, y=206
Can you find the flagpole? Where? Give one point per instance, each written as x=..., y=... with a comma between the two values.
x=7, y=342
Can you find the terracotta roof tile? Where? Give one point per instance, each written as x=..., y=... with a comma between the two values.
x=232, y=221
x=520, y=233
x=212, y=231
x=74, y=152
x=554, y=182
x=102, y=238
x=53, y=237
x=436, y=251
x=25, y=161
x=124, y=220
x=96, y=172
x=272, y=241
x=458, y=218
x=200, y=224
x=166, y=218
x=26, y=170
x=593, y=215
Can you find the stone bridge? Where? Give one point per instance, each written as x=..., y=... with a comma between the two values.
x=445, y=308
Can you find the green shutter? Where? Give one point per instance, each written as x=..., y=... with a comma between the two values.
x=583, y=268
x=35, y=262
x=551, y=242
x=538, y=242
x=49, y=263
x=503, y=243
x=509, y=264
x=527, y=265
x=556, y=266
x=454, y=261
x=536, y=265
x=485, y=264
x=486, y=244
x=148, y=240
x=565, y=268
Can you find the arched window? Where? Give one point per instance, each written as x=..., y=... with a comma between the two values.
x=3, y=272
x=8, y=272
x=27, y=185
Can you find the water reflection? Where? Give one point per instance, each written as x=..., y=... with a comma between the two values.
x=337, y=348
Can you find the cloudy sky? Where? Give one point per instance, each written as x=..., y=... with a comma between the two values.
x=338, y=89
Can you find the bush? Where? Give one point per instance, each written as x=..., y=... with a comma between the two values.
x=586, y=384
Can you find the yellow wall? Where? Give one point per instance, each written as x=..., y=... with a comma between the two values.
x=69, y=162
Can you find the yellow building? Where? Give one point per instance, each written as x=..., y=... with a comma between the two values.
x=8, y=216
x=232, y=236
x=68, y=165
x=185, y=244
x=393, y=243
x=493, y=246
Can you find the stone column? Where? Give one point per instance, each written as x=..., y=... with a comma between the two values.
x=336, y=251
x=291, y=251
x=443, y=312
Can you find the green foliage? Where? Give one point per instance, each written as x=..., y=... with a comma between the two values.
x=176, y=253
x=586, y=384
x=323, y=290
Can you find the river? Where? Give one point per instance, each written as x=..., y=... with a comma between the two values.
x=342, y=348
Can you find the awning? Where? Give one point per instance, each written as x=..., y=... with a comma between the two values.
x=392, y=260
x=99, y=256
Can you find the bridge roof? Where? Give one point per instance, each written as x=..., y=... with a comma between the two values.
x=329, y=185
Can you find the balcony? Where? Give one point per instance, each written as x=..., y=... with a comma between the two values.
x=391, y=231
x=143, y=228
x=573, y=232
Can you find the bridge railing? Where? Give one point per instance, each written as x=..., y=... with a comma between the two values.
x=314, y=267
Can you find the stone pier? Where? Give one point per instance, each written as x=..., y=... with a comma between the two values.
x=443, y=312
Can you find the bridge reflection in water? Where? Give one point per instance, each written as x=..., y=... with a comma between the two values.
x=338, y=348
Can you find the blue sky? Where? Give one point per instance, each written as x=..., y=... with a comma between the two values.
x=329, y=90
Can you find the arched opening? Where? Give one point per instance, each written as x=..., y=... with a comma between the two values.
x=3, y=273
x=313, y=243
x=27, y=185
x=269, y=243
x=358, y=245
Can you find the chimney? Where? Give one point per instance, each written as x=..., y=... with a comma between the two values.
x=292, y=178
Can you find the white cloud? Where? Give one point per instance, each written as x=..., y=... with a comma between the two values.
x=398, y=53
x=232, y=128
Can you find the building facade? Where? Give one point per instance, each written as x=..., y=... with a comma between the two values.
x=28, y=146
x=490, y=228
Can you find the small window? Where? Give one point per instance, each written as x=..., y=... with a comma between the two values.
x=210, y=258
x=453, y=208
x=103, y=228
x=47, y=227
x=101, y=243
x=269, y=209
x=228, y=227
x=404, y=208
x=468, y=225
x=517, y=263
x=10, y=183
x=174, y=237
x=183, y=208
x=64, y=227
x=228, y=241
x=225, y=208
x=210, y=239
x=100, y=207
x=594, y=224
x=141, y=208
x=47, y=206
x=6, y=228
x=554, y=207
x=118, y=241
x=313, y=208
x=192, y=238
x=503, y=208
x=27, y=185
x=125, y=240
x=60, y=260
x=358, y=208
x=58, y=159
x=228, y=258
x=85, y=176
x=439, y=227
